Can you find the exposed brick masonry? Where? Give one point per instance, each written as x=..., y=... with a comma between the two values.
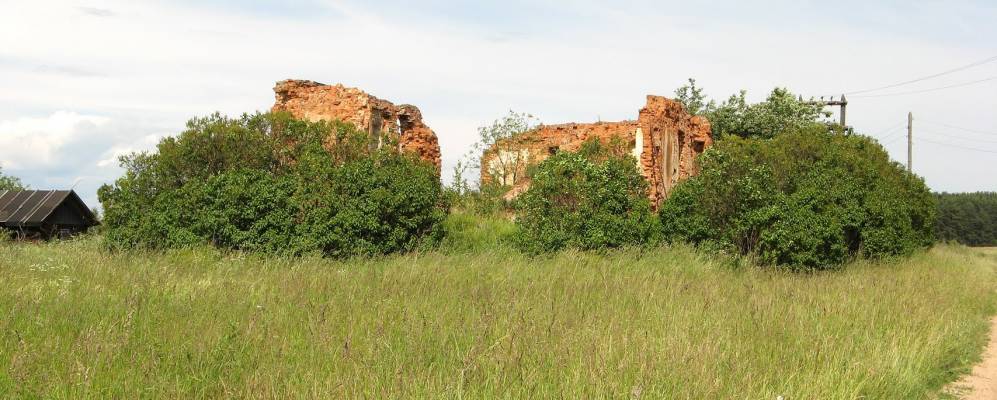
x=314, y=101
x=664, y=139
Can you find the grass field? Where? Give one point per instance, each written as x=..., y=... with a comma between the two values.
x=483, y=321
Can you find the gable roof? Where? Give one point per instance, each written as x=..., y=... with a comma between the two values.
x=32, y=207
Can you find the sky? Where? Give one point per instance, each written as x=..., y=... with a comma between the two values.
x=84, y=82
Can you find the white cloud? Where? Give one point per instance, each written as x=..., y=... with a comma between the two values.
x=36, y=142
x=155, y=64
x=67, y=148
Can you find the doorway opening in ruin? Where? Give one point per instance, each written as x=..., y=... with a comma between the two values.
x=376, y=121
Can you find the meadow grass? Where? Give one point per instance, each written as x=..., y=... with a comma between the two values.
x=479, y=320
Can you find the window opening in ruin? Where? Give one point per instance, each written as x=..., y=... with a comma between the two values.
x=552, y=150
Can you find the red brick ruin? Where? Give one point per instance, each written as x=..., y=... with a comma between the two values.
x=313, y=101
x=664, y=139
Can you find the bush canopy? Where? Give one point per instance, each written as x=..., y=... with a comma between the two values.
x=805, y=198
x=273, y=184
x=591, y=199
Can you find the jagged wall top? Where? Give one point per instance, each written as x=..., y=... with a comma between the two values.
x=313, y=101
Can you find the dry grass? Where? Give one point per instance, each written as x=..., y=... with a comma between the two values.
x=78, y=322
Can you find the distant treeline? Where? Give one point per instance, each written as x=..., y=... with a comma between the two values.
x=968, y=218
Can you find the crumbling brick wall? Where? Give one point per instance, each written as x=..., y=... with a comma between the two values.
x=664, y=139
x=313, y=101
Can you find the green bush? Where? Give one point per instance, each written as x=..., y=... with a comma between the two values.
x=269, y=183
x=807, y=198
x=591, y=199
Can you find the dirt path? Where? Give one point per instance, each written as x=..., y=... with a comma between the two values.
x=981, y=384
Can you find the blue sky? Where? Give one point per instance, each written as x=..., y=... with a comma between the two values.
x=84, y=81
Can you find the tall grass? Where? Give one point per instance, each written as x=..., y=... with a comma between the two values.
x=479, y=320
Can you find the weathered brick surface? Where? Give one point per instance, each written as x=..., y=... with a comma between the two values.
x=314, y=101
x=664, y=139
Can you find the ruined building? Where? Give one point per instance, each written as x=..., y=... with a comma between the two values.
x=314, y=101
x=664, y=139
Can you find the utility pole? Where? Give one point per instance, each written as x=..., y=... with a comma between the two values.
x=843, y=103
x=910, y=136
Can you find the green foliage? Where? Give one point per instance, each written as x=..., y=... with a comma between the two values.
x=492, y=138
x=781, y=112
x=590, y=199
x=807, y=198
x=10, y=182
x=504, y=128
x=968, y=218
x=267, y=183
x=488, y=199
x=692, y=97
x=485, y=200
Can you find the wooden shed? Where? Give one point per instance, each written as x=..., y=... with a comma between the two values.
x=44, y=214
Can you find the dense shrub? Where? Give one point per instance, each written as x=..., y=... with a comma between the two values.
x=591, y=199
x=968, y=218
x=268, y=183
x=807, y=198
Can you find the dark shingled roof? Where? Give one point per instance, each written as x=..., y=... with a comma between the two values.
x=32, y=207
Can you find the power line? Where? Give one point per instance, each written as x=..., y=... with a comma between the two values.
x=891, y=132
x=929, y=90
x=958, y=147
x=981, y=62
x=892, y=135
x=892, y=141
x=959, y=137
x=890, y=129
x=956, y=127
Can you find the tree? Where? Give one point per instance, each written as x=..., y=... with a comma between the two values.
x=968, y=218
x=509, y=163
x=804, y=198
x=494, y=138
x=692, y=97
x=10, y=182
x=781, y=112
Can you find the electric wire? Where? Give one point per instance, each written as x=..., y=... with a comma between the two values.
x=927, y=90
x=956, y=127
x=892, y=141
x=964, y=67
x=950, y=136
x=892, y=134
x=890, y=129
x=957, y=146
